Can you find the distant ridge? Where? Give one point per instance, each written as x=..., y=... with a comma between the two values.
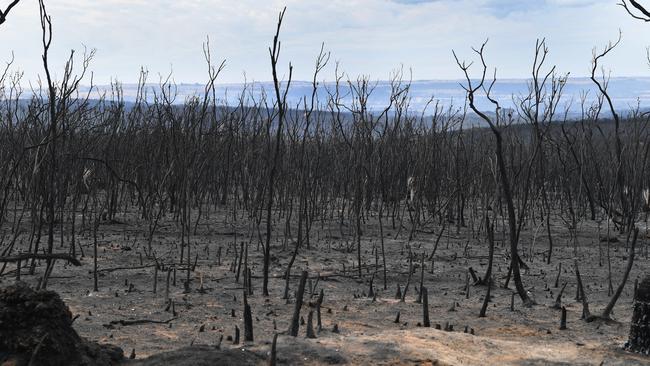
x=626, y=93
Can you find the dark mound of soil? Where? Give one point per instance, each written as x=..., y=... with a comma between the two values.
x=37, y=326
x=203, y=356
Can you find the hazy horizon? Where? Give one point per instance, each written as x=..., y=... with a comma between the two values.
x=627, y=93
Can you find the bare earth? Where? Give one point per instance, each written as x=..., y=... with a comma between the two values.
x=368, y=333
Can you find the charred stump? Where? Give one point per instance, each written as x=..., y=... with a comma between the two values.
x=425, y=307
x=639, y=339
x=248, y=321
x=295, y=325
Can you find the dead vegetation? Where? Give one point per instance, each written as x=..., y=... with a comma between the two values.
x=167, y=225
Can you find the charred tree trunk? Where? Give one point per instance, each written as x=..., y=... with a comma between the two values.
x=639, y=338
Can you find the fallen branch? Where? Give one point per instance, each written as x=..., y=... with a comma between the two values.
x=136, y=322
x=125, y=268
x=22, y=257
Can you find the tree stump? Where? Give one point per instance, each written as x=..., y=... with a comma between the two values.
x=639, y=339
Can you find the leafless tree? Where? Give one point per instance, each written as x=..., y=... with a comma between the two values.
x=496, y=128
x=281, y=104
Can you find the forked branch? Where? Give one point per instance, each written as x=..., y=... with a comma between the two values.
x=639, y=7
x=3, y=14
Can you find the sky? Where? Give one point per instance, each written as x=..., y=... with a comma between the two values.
x=366, y=37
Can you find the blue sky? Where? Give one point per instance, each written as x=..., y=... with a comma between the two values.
x=370, y=37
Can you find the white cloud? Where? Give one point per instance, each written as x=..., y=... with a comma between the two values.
x=368, y=36
x=574, y=2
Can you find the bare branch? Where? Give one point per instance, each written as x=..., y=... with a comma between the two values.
x=639, y=7
x=26, y=256
x=3, y=14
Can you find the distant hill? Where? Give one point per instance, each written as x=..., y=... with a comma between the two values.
x=625, y=92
